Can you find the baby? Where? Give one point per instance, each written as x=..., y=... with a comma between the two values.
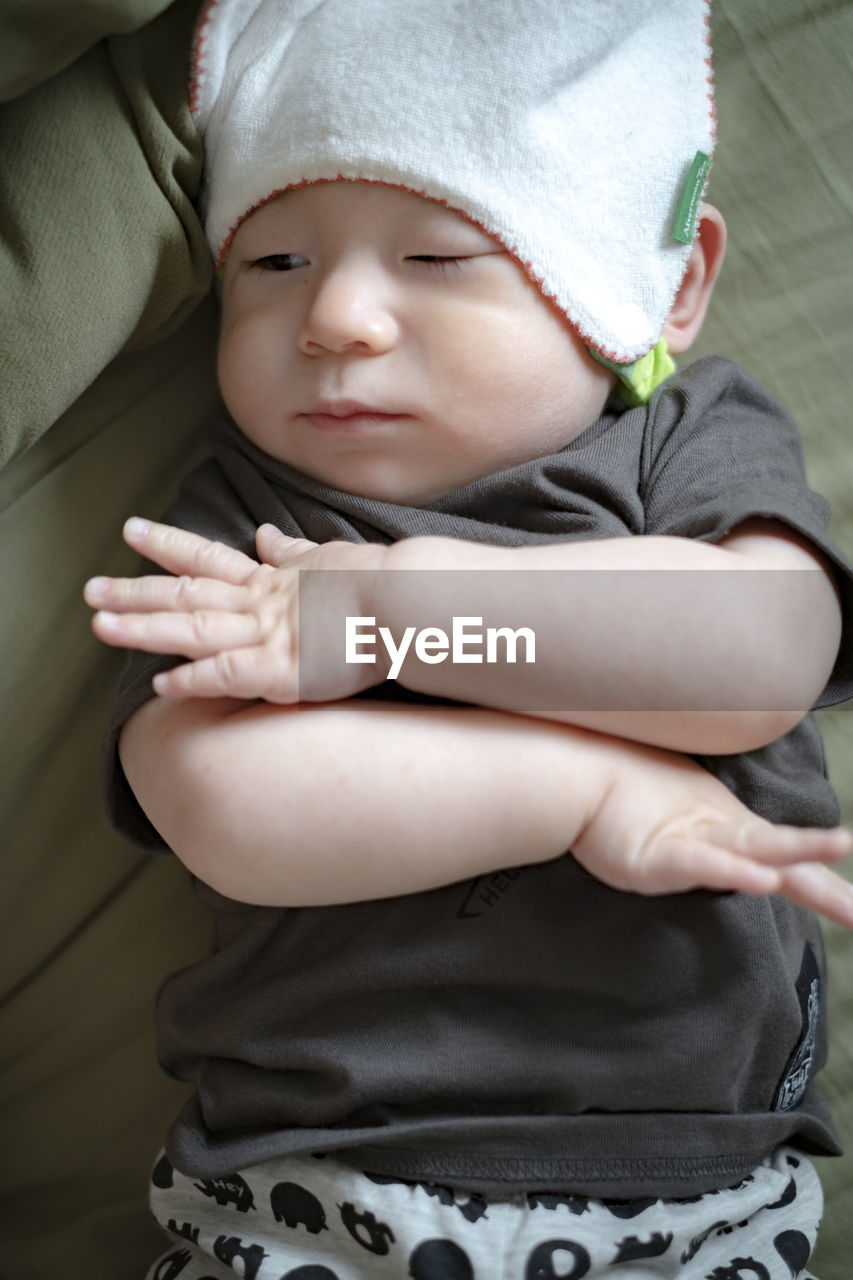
x=498, y=1049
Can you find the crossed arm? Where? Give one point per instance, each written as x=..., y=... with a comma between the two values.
x=298, y=805
x=667, y=641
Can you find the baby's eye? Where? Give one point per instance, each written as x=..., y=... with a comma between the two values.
x=440, y=262
x=280, y=262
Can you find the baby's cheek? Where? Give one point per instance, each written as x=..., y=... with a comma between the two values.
x=247, y=368
x=481, y=363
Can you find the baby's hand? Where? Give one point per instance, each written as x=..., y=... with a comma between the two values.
x=235, y=619
x=666, y=825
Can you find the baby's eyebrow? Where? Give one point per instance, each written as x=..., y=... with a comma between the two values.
x=450, y=223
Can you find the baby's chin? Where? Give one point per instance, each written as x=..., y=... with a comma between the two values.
x=382, y=480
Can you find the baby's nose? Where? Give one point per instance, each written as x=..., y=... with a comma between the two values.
x=350, y=311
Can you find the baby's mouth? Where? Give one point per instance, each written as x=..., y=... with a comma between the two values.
x=349, y=416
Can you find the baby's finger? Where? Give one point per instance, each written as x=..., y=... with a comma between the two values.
x=237, y=673
x=818, y=889
x=277, y=549
x=684, y=864
x=782, y=846
x=193, y=635
x=181, y=552
x=160, y=593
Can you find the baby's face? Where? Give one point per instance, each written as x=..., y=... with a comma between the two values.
x=385, y=346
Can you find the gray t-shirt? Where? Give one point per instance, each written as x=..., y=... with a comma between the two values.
x=532, y=1029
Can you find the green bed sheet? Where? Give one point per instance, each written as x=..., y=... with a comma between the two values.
x=106, y=363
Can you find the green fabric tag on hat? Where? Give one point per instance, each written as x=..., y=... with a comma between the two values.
x=641, y=379
x=691, y=194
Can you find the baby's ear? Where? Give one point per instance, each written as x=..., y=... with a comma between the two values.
x=703, y=266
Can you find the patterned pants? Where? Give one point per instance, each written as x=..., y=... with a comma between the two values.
x=315, y=1219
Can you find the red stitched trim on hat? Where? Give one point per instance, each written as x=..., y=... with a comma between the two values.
x=712, y=104
x=526, y=267
x=197, y=64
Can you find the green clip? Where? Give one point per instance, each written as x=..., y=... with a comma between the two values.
x=691, y=194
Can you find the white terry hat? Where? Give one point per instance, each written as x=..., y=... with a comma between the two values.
x=567, y=129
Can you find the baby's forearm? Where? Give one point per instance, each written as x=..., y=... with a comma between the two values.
x=345, y=802
x=661, y=640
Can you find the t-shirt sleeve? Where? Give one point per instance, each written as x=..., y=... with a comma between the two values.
x=123, y=809
x=719, y=450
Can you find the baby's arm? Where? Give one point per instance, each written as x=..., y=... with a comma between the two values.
x=711, y=649
x=684, y=645
x=342, y=802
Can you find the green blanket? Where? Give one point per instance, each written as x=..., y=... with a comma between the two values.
x=101, y=248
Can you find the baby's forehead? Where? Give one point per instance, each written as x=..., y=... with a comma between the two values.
x=348, y=204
